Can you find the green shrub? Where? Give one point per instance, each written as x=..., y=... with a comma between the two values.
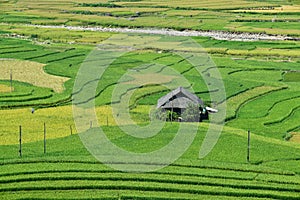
x=191, y=113
x=159, y=114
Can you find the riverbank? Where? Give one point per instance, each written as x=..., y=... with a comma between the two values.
x=218, y=35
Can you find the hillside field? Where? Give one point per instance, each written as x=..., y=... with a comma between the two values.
x=272, y=16
x=41, y=68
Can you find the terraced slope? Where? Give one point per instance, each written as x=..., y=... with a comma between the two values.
x=261, y=91
x=67, y=171
x=61, y=61
x=272, y=17
x=83, y=180
x=261, y=81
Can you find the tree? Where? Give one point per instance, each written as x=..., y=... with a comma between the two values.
x=159, y=114
x=172, y=116
x=191, y=113
x=164, y=115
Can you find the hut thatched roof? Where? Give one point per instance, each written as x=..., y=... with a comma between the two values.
x=179, y=98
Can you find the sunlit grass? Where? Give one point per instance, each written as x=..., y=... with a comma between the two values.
x=5, y=88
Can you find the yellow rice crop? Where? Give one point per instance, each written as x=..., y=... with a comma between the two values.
x=281, y=9
x=4, y=88
x=295, y=138
x=59, y=122
x=264, y=52
x=30, y=72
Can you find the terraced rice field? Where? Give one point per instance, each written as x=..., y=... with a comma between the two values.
x=273, y=17
x=31, y=72
x=91, y=182
x=48, y=84
x=295, y=137
x=258, y=92
x=68, y=170
x=261, y=80
x=258, y=89
x=5, y=88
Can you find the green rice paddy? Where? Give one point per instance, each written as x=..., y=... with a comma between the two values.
x=261, y=80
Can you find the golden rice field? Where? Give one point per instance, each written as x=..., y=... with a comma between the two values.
x=59, y=122
x=30, y=72
x=5, y=88
x=149, y=3
x=261, y=83
x=192, y=14
x=124, y=9
x=265, y=52
x=296, y=137
x=193, y=3
x=281, y=9
x=58, y=35
x=272, y=31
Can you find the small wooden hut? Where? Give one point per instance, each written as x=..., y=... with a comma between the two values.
x=178, y=100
